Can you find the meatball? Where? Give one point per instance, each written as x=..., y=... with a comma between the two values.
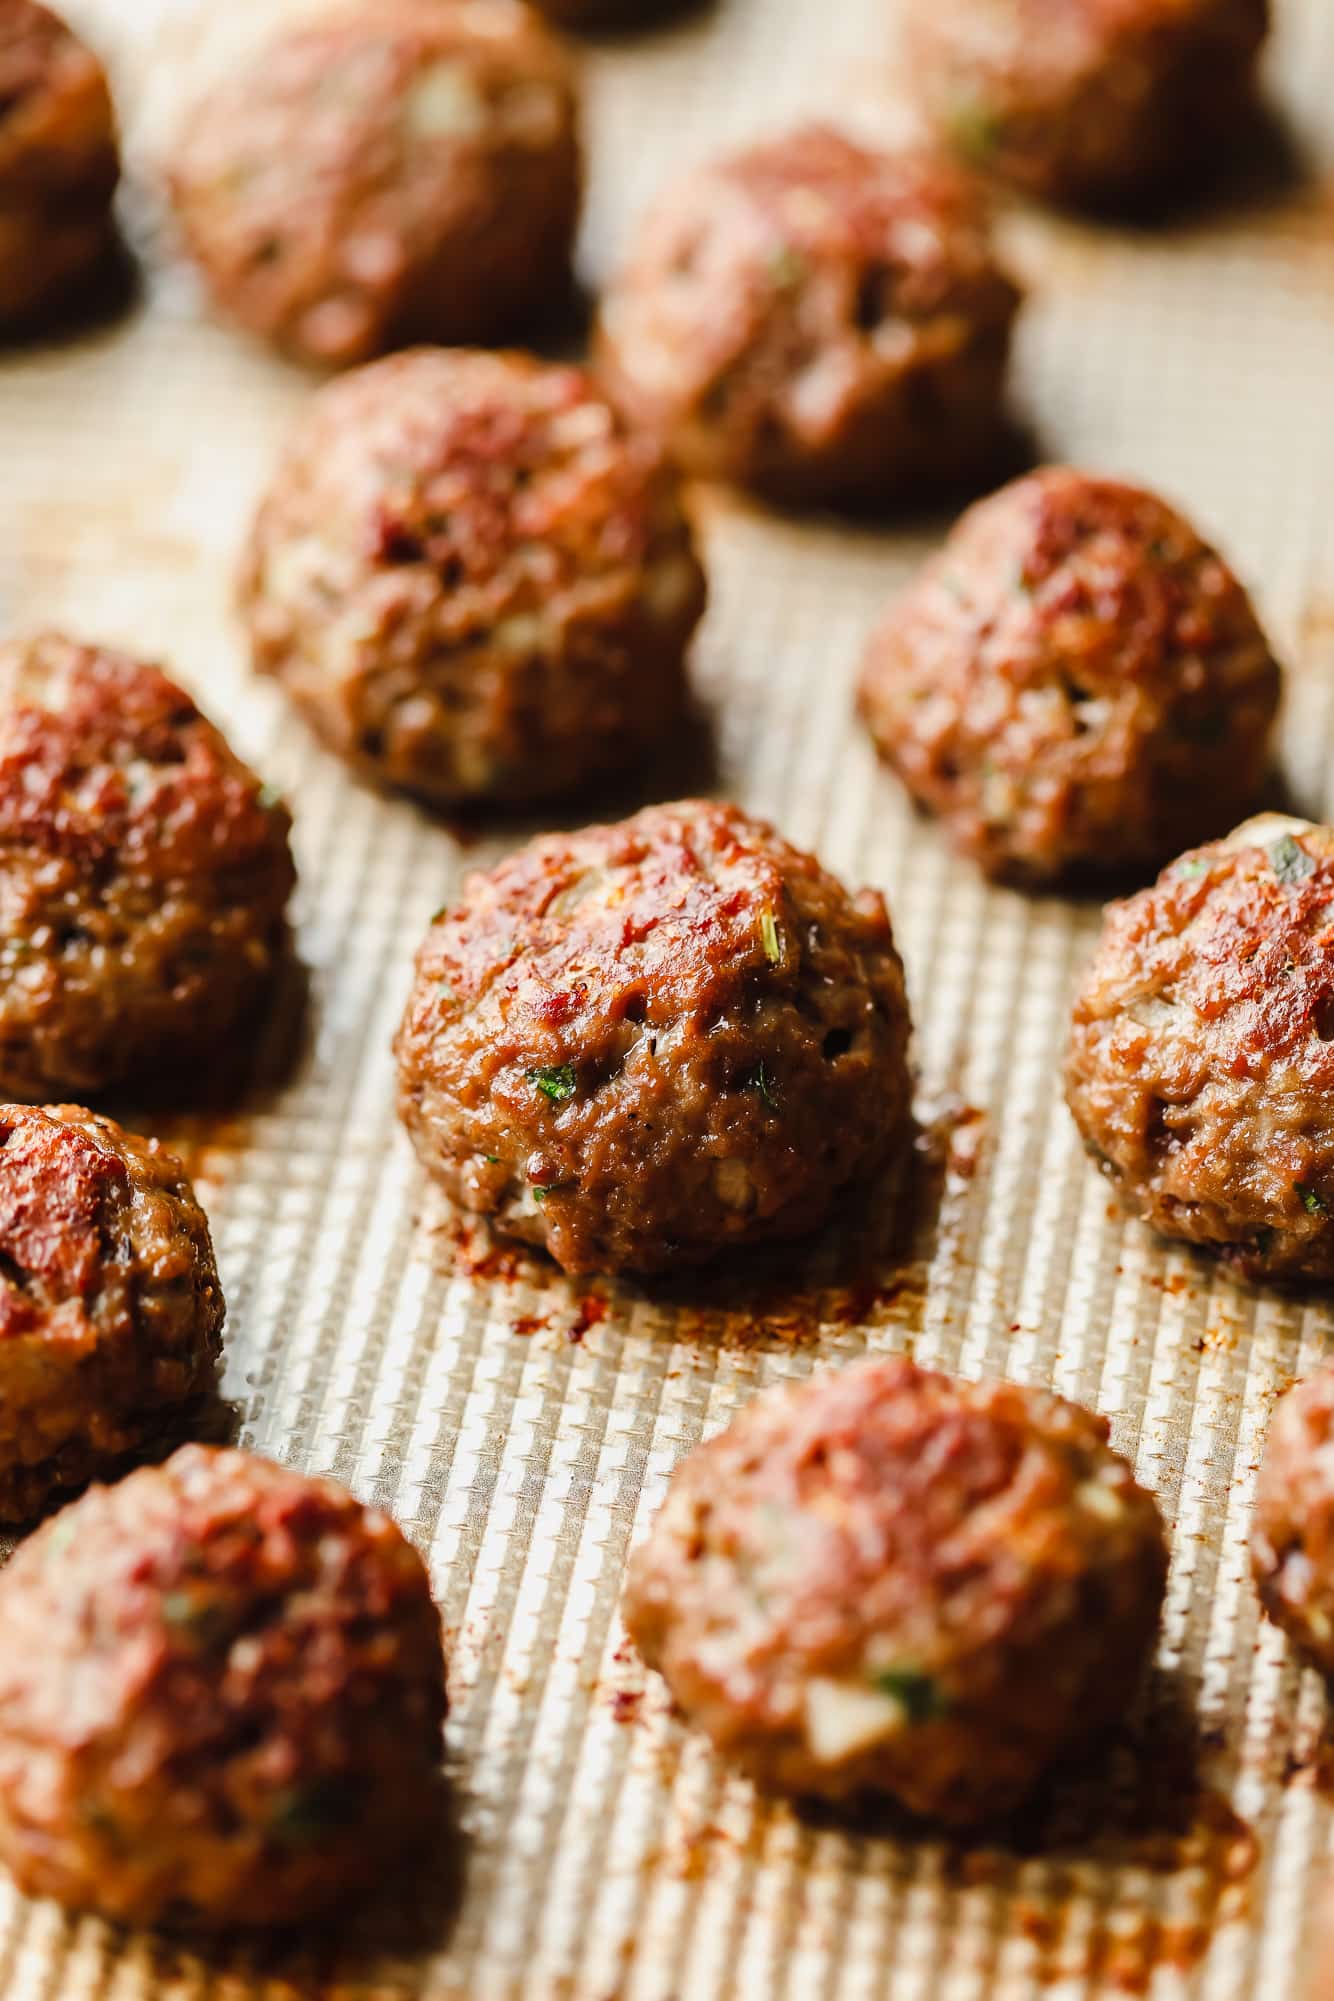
x=1201, y=1063
x=110, y=1308
x=410, y=171
x=1101, y=103
x=816, y=321
x=1076, y=683
x=642, y=1046
x=473, y=581
x=1292, y=1535
x=887, y=1580
x=59, y=163
x=221, y=1696
x=143, y=874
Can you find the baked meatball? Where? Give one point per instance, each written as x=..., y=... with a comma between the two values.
x=143, y=874
x=473, y=581
x=886, y=1580
x=817, y=321
x=1076, y=683
x=110, y=1307
x=409, y=171
x=1104, y=103
x=221, y=1696
x=1201, y=1063
x=1292, y=1533
x=645, y=1045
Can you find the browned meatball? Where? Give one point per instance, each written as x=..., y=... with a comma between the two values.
x=608, y=13
x=817, y=321
x=143, y=873
x=475, y=583
x=1076, y=683
x=59, y=163
x=1097, y=102
x=221, y=1696
x=110, y=1307
x=409, y=171
x=887, y=1580
x=1292, y=1534
x=1201, y=1061
x=642, y=1046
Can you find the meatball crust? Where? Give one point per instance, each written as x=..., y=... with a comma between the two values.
x=110, y=1308
x=641, y=1046
x=1076, y=683
x=1201, y=1063
x=408, y=171
x=887, y=1580
x=1292, y=1532
x=474, y=582
x=1101, y=103
x=221, y=1696
x=143, y=873
x=817, y=321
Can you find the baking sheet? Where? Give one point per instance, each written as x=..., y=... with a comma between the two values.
x=522, y=1427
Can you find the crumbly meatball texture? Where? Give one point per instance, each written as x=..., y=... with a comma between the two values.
x=409, y=171
x=886, y=1580
x=474, y=582
x=143, y=874
x=1102, y=103
x=1292, y=1531
x=1076, y=683
x=644, y=1045
x=1201, y=1063
x=817, y=321
x=221, y=1696
x=59, y=163
x=110, y=1308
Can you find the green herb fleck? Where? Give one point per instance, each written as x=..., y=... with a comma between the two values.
x=1193, y=867
x=1311, y=1202
x=919, y=1695
x=773, y=948
x=558, y=1083
x=975, y=131
x=308, y=1813
x=787, y=267
x=491, y=1159
x=436, y=915
x=270, y=797
x=762, y=1082
x=446, y=992
x=1289, y=861
x=541, y=1190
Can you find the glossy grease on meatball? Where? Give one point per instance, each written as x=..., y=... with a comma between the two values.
x=221, y=1697
x=110, y=1308
x=1292, y=1532
x=886, y=1580
x=1105, y=103
x=816, y=320
x=473, y=581
x=1201, y=1063
x=1076, y=683
x=404, y=172
x=641, y=1046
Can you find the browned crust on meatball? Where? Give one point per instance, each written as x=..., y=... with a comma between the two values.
x=816, y=320
x=643, y=1045
x=110, y=1308
x=221, y=1696
x=1201, y=1063
x=1077, y=683
x=1100, y=103
x=143, y=873
x=473, y=580
x=1292, y=1531
x=887, y=1580
x=410, y=171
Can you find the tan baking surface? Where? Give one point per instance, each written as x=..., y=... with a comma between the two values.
x=603, y=1856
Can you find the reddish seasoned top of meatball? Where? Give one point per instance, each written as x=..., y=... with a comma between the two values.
x=1292, y=1533
x=1075, y=683
x=221, y=1696
x=407, y=171
x=643, y=1044
x=886, y=1579
x=817, y=320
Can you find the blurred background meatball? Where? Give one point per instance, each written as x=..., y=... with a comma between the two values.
x=222, y=1690
x=817, y=321
x=1076, y=683
x=578, y=14
x=59, y=164
x=110, y=1308
x=408, y=171
x=473, y=581
x=1201, y=1063
x=1292, y=1532
x=644, y=1045
x=143, y=874
x=886, y=1580
x=1104, y=103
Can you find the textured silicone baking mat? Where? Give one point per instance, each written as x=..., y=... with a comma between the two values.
x=522, y=1428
